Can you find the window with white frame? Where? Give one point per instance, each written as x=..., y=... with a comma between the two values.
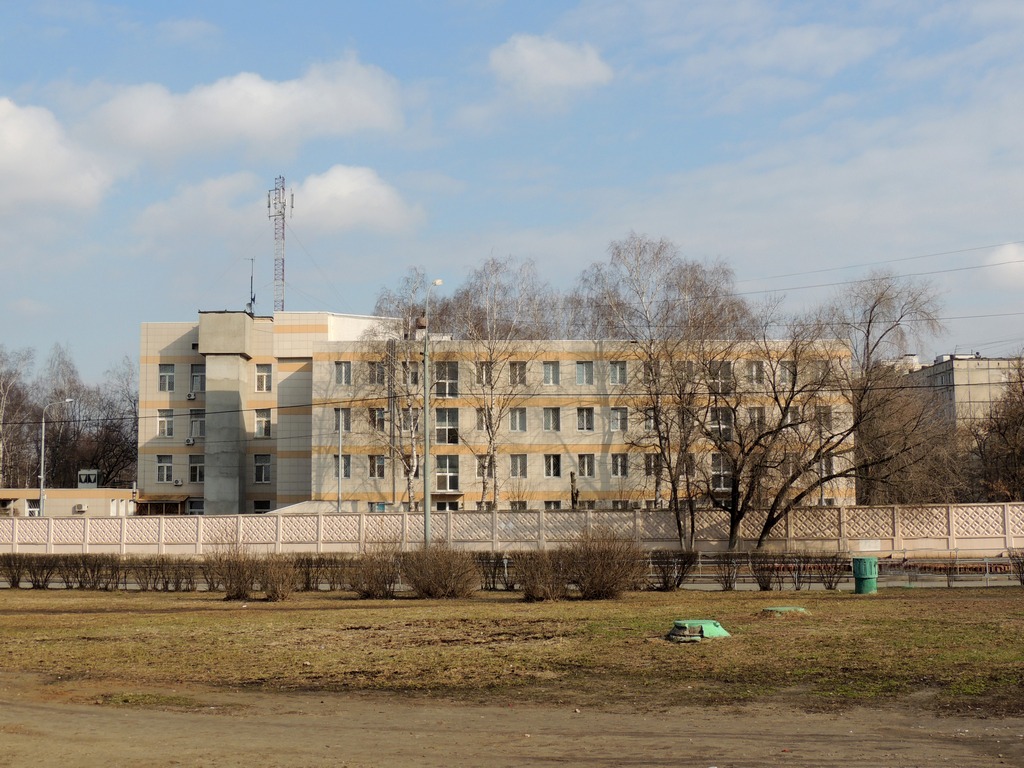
x=552, y=419
x=585, y=419
x=617, y=372
x=755, y=372
x=446, y=379
x=197, y=423
x=447, y=472
x=619, y=419
x=165, y=422
x=264, y=377
x=345, y=465
x=790, y=416
x=197, y=381
x=721, y=472
x=376, y=465
x=484, y=373
x=376, y=507
x=517, y=465
x=343, y=373
x=584, y=372
x=823, y=417
x=552, y=504
x=649, y=419
x=755, y=418
x=585, y=464
x=517, y=373
x=196, y=507
x=652, y=464
x=787, y=375
x=552, y=465
x=620, y=504
x=552, y=372
x=720, y=424
x=586, y=504
x=620, y=465
x=343, y=419
x=485, y=466
x=166, y=377
x=483, y=418
x=517, y=506
x=720, y=377
x=262, y=422
x=446, y=426
x=376, y=419
x=410, y=419
x=377, y=373
x=408, y=466
x=652, y=372
x=411, y=374
x=517, y=419
x=196, y=468
x=261, y=463
x=164, y=468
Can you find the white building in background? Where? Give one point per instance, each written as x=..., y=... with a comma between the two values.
x=966, y=385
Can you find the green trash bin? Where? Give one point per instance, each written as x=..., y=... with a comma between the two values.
x=865, y=575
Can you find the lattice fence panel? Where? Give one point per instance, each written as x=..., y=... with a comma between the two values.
x=259, y=530
x=619, y=523
x=819, y=523
x=6, y=531
x=220, y=530
x=470, y=526
x=924, y=522
x=142, y=530
x=518, y=526
x=297, y=529
x=339, y=528
x=658, y=525
x=68, y=531
x=181, y=530
x=564, y=526
x=862, y=523
x=384, y=529
x=1017, y=519
x=981, y=520
x=105, y=530
x=712, y=524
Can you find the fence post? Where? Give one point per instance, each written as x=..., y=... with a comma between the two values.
x=124, y=536
x=14, y=534
x=277, y=534
x=160, y=535
x=85, y=535
x=200, y=534
x=49, y=535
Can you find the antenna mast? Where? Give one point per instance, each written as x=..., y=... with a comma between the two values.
x=277, y=207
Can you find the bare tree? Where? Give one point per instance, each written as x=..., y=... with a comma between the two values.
x=997, y=443
x=14, y=413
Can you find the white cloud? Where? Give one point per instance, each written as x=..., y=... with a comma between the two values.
x=187, y=30
x=347, y=198
x=337, y=99
x=40, y=165
x=214, y=208
x=542, y=69
x=1007, y=264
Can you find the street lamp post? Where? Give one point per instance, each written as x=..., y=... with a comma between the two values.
x=426, y=416
x=42, y=454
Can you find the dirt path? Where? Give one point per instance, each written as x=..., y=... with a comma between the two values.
x=77, y=726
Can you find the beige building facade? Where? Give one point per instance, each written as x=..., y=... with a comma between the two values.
x=966, y=386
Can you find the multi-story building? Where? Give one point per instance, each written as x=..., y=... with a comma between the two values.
x=966, y=386
x=253, y=414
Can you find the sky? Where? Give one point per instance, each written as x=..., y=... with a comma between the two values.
x=803, y=143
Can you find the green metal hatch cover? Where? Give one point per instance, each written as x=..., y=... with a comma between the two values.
x=694, y=630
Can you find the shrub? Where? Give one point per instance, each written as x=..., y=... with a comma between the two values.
x=375, y=573
x=831, y=568
x=280, y=575
x=509, y=573
x=441, y=572
x=800, y=566
x=71, y=573
x=669, y=568
x=12, y=565
x=338, y=568
x=603, y=564
x=210, y=570
x=237, y=568
x=490, y=565
x=727, y=569
x=1017, y=563
x=768, y=569
x=40, y=569
x=544, y=575
x=311, y=570
x=142, y=570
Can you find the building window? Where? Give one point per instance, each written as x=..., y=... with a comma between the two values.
x=196, y=468
x=720, y=377
x=166, y=377
x=485, y=466
x=447, y=426
x=446, y=379
x=787, y=374
x=198, y=379
x=552, y=419
x=790, y=416
x=196, y=423
x=377, y=373
x=411, y=374
x=587, y=504
x=552, y=465
x=755, y=372
x=585, y=419
x=165, y=422
x=343, y=373
x=617, y=372
x=755, y=417
x=261, y=461
x=447, y=506
x=343, y=419
x=552, y=372
x=261, y=506
x=620, y=419
x=483, y=418
x=721, y=472
x=620, y=465
x=620, y=504
x=823, y=417
x=447, y=472
x=517, y=373
x=517, y=506
x=411, y=420
x=262, y=422
x=164, y=469
x=484, y=373
x=517, y=419
x=553, y=504
x=517, y=465
x=196, y=507
x=652, y=464
x=649, y=419
x=345, y=466
x=376, y=507
x=585, y=372
x=652, y=372
x=585, y=464
x=375, y=418
x=264, y=377
x=409, y=467
x=720, y=424
x=376, y=466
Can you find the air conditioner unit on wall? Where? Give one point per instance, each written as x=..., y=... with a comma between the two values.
x=80, y=508
x=177, y=482
x=190, y=396
x=190, y=441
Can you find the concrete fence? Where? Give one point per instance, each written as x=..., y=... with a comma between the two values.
x=975, y=530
